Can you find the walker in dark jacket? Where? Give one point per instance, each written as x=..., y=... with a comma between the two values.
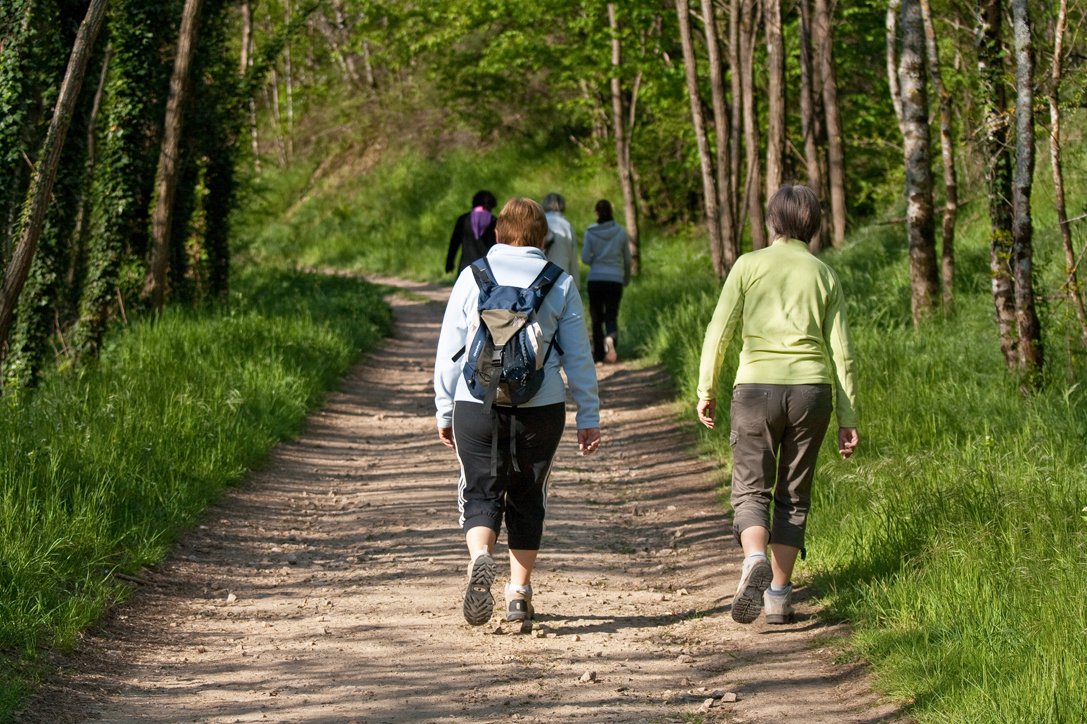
x=474, y=232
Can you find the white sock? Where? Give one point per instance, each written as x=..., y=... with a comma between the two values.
x=755, y=555
x=525, y=590
x=781, y=590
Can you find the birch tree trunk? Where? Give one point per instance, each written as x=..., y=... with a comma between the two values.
x=807, y=119
x=947, y=153
x=999, y=175
x=1031, y=354
x=737, y=116
x=290, y=88
x=246, y=63
x=749, y=29
x=730, y=243
x=775, y=126
x=41, y=185
x=835, y=152
x=924, y=286
x=1072, y=283
x=166, y=177
x=622, y=143
x=709, y=191
x=894, y=7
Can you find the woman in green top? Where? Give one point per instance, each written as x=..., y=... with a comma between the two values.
x=796, y=367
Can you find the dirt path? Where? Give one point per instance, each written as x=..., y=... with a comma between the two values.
x=327, y=589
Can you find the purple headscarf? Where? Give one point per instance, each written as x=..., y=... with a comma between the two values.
x=481, y=219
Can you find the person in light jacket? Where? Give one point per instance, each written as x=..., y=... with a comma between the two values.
x=560, y=244
x=606, y=251
x=506, y=453
x=796, y=370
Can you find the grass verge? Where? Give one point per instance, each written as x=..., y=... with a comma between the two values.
x=956, y=539
x=101, y=471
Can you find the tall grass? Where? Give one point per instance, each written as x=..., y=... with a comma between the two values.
x=396, y=217
x=956, y=538
x=100, y=471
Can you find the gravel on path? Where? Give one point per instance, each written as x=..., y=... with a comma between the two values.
x=327, y=588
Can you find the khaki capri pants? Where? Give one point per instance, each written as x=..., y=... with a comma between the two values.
x=776, y=434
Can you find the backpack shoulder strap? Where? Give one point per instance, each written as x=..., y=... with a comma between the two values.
x=545, y=280
x=482, y=271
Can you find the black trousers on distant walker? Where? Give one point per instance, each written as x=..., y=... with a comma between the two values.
x=519, y=492
x=604, y=298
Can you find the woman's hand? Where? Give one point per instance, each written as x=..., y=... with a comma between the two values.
x=847, y=441
x=706, y=408
x=445, y=434
x=588, y=440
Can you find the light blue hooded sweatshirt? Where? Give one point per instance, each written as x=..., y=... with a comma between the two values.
x=607, y=252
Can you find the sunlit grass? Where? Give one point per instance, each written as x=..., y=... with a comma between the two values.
x=100, y=471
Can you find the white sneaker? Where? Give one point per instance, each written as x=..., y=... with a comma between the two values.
x=610, y=355
x=779, y=606
x=754, y=579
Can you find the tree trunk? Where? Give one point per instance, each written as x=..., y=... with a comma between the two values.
x=775, y=131
x=947, y=152
x=247, y=36
x=737, y=117
x=1031, y=354
x=807, y=119
x=749, y=29
x=622, y=144
x=835, y=153
x=368, y=66
x=166, y=177
x=730, y=242
x=246, y=64
x=999, y=172
x=894, y=7
x=924, y=284
x=1058, y=173
x=41, y=186
x=290, y=88
x=709, y=192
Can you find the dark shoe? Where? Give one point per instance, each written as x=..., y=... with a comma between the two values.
x=755, y=578
x=478, y=601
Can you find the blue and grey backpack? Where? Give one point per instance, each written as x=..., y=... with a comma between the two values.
x=505, y=343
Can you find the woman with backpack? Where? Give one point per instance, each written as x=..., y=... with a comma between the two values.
x=607, y=253
x=796, y=368
x=504, y=413
x=473, y=233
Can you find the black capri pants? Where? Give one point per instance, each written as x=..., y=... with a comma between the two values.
x=527, y=440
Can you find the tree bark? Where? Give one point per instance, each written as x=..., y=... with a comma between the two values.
x=246, y=64
x=730, y=243
x=1031, y=354
x=894, y=7
x=41, y=186
x=1072, y=283
x=166, y=177
x=947, y=153
x=807, y=119
x=290, y=87
x=835, y=152
x=737, y=116
x=622, y=144
x=999, y=174
x=749, y=29
x=709, y=191
x=924, y=284
x=775, y=71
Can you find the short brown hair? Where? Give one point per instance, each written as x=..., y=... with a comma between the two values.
x=794, y=213
x=521, y=223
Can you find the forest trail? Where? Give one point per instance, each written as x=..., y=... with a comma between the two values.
x=327, y=588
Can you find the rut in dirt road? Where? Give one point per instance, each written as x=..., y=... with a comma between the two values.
x=327, y=588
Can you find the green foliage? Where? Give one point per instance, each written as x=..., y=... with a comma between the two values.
x=101, y=470
x=397, y=217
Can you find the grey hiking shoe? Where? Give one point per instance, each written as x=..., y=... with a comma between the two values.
x=754, y=579
x=779, y=606
x=518, y=605
x=478, y=601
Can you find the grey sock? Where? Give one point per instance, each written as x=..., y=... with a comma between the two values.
x=781, y=590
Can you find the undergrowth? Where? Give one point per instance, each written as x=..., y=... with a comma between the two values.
x=102, y=469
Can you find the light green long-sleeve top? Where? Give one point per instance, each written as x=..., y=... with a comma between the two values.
x=791, y=310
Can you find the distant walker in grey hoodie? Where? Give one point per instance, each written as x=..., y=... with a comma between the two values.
x=607, y=253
